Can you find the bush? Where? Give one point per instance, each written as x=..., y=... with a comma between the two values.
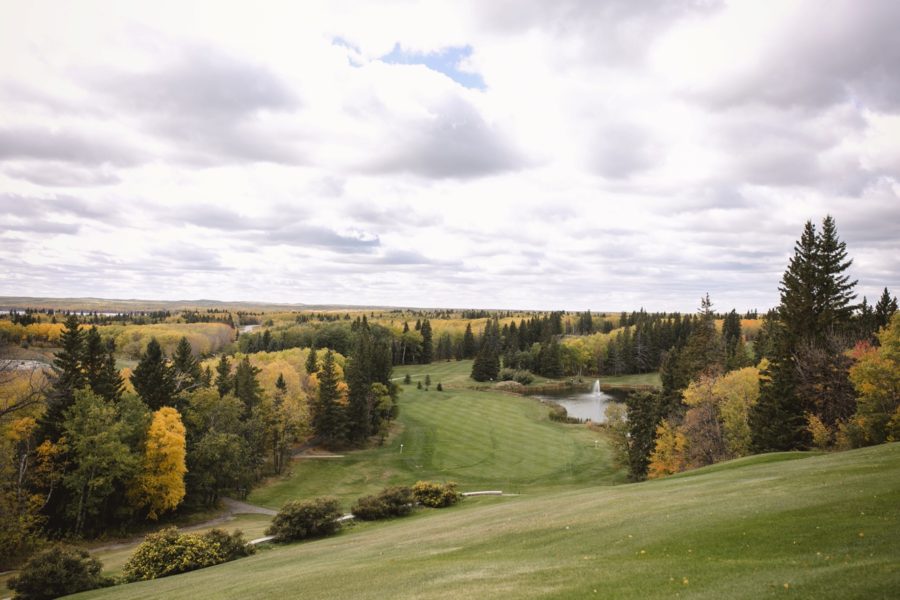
x=301, y=520
x=435, y=495
x=407, y=380
x=506, y=374
x=58, y=571
x=231, y=545
x=440, y=388
x=169, y=552
x=523, y=377
x=390, y=502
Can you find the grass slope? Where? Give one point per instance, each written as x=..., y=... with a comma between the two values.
x=481, y=440
x=825, y=526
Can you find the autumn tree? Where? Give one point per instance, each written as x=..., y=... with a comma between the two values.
x=876, y=377
x=159, y=487
x=668, y=454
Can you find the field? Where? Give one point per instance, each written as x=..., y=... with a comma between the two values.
x=480, y=440
x=815, y=527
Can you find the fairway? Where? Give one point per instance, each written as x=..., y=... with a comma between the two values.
x=480, y=440
x=819, y=527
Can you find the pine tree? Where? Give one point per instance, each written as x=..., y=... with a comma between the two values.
x=186, y=368
x=328, y=418
x=153, y=378
x=110, y=384
x=68, y=378
x=358, y=374
x=885, y=309
x=223, y=376
x=246, y=386
x=834, y=290
x=312, y=364
x=427, y=344
x=281, y=385
x=93, y=358
x=469, y=347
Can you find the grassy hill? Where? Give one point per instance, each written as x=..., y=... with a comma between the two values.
x=481, y=440
x=821, y=526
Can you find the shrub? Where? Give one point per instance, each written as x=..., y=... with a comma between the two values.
x=169, y=552
x=390, y=502
x=435, y=495
x=231, y=545
x=307, y=519
x=440, y=388
x=407, y=380
x=523, y=377
x=58, y=571
x=506, y=374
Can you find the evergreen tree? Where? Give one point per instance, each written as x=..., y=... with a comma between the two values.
x=67, y=379
x=469, y=347
x=885, y=309
x=186, y=368
x=644, y=414
x=487, y=362
x=246, y=386
x=328, y=418
x=358, y=373
x=427, y=344
x=207, y=378
x=153, y=378
x=110, y=384
x=93, y=358
x=281, y=385
x=312, y=361
x=223, y=376
x=834, y=289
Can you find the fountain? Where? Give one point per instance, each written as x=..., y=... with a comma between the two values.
x=596, y=389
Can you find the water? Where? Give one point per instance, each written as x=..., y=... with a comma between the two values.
x=585, y=405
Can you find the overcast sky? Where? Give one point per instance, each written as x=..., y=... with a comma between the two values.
x=530, y=154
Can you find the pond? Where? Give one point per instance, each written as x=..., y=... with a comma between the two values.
x=586, y=405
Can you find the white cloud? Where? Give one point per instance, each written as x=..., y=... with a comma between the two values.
x=621, y=154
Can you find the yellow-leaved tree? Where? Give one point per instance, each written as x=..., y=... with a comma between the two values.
x=876, y=377
x=668, y=456
x=160, y=485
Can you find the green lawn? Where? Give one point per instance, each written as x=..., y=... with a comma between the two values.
x=480, y=440
x=824, y=526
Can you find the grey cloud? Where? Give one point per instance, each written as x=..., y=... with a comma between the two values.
x=28, y=142
x=41, y=226
x=453, y=142
x=33, y=207
x=209, y=105
x=60, y=174
x=299, y=234
x=832, y=52
x=621, y=149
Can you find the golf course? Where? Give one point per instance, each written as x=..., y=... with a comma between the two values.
x=800, y=525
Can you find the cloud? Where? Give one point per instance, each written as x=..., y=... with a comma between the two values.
x=449, y=61
x=60, y=174
x=452, y=141
x=41, y=143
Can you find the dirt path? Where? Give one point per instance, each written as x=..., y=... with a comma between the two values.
x=231, y=507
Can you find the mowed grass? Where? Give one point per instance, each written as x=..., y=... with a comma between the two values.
x=480, y=440
x=824, y=526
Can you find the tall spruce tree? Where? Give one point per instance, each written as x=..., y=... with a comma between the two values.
x=68, y=377
x=469, y=348
x=153, y=378
x=246, y=386
x=328, y=417
x=223, y=376
x=359, y=378
x=427, y=342
x=312, y=361
x=885, y=309
x=186, y=368
x=806, y=372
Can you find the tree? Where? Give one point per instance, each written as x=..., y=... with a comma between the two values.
x=101, y=458
x=186, y=368
x=68, y=377
x=885, y=309
x=246, y=385
x=58, y=571
x=224, y=381
x=668, y=454
x=159, y=487
x=328, y=418
x=468, y=347
x=644, y=415
x=427, y=344
x=153, y=378
x=876, y=377
x=835, y=290
x=312, y=364
x=358, y=374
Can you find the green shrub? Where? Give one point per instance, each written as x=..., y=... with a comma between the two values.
x=435, y=495
x=58, y=571
x=390, y=502
x=231, y=545
x=506, y=374
x=407, y=380
x=311, y=518
x=439, y=388
x=523, y=377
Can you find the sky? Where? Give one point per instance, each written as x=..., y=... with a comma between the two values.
x=575, y=154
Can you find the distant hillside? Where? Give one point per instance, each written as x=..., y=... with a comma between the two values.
x=115, y=305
